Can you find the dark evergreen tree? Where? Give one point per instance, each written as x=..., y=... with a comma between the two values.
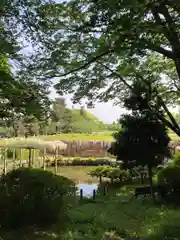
x=143, y=138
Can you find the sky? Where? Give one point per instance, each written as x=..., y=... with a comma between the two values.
x=106, y=112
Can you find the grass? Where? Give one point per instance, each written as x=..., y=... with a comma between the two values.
x=99, y=136
x=105, y=136
x=117, y=212
x=120, y=212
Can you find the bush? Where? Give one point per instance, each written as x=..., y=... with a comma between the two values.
x=176, y=158
x=33, y=197
x=110, y=172
x=169, y=177
x=81, y=162
x=10, y=153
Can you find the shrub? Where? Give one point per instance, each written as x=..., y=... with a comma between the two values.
x=82, y=162
x=33, y=197
x=111, y=236
x=176, y=158
x=91, y=159
x=169, y=177
x=10, y=153
x=97, y=172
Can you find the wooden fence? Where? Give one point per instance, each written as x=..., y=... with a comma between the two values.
x=84, y=149
x=32, y=159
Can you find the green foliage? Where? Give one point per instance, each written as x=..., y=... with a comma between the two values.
x=121, y=215
x=80, y=162
x=73, y=120
x=176, y=158
x=111, y=235
x=143, y=138
x=113, y=60
x=110, y=172
x=111, y=43
x=10, y=153
x=169, y=177
x=31, y=197
x=20, y=96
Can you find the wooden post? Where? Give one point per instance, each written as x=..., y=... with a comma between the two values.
x=34, y=158
x=55, y=160
x=100, y=179
x=94, y=194
x=104, y=190
x=5, y=163
x=40, y=158
x=14, y=158
x=81, y=194
x=20, y=160
x=30, y=158
x=44, y=159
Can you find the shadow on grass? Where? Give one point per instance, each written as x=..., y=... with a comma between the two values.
x=32, y=234
x=120, y=212
x=116, y=214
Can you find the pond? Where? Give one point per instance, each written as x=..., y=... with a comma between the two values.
x=80, y=176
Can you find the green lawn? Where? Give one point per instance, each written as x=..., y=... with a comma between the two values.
x=100, y=136
x=104, y=136
x=118, y=212
x=122, y=212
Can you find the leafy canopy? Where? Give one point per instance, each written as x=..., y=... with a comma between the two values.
x=97, y=49
x=20, y=92
x=91, y=42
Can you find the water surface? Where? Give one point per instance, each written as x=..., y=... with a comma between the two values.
x=87, y=189
x=79, y=174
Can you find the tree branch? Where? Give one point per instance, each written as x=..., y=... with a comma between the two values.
x=160, y=50
x=87, y=63
x=169, y=114
x=116, y=74
x=169, y=124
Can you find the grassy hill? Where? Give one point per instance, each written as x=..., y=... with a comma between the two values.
x=84, y=123
x=76, y=114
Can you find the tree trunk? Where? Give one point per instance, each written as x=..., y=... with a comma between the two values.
x=151, y=182
x=177, y=64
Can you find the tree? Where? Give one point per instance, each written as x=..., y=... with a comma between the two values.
x=143, y=139
x=83, y=113
x=32, y=125
x=87, y=44
x=98, y=32
x=20, y=92
x=58, y=109
x=95, y=42
x=67, y=121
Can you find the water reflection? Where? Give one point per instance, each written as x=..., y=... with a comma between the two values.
x=87, y=188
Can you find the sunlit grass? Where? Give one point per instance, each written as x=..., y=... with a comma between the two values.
x=122, y=212
x=99, y=136
x=105, y=136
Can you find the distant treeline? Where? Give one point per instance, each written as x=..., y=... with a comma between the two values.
x=61, y=120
